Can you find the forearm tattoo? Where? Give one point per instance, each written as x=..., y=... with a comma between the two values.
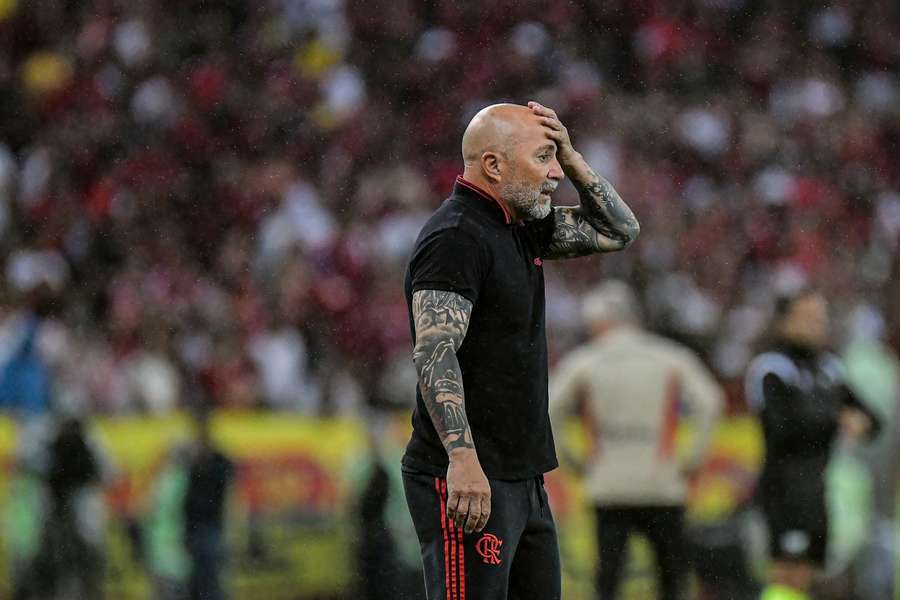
x=441, y=320
x=602, y=223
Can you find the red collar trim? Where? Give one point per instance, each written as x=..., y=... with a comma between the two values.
x=487, y=195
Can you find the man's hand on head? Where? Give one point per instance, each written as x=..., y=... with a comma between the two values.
x=557, y=132
x=602, y=222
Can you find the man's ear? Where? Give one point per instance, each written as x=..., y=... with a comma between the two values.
x=491, y=165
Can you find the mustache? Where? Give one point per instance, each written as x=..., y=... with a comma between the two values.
x=548, y=188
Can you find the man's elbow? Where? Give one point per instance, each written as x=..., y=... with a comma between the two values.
x=620, y=239
x=631, y=233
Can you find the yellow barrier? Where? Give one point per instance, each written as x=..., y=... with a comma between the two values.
x=292, y=489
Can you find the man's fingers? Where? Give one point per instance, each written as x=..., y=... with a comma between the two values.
x=474, y=516
x=452, y=502
x=556, y=136
x=485, y=513
x=539, y=109
x=551, y=123
x=462, y=511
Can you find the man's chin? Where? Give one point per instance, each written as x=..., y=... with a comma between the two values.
x=539, y=211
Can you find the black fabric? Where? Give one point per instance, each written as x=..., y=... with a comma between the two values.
x=72, y=464
x=663, y=526
x=518, y=559
x=797, y=534
x=208, y=478
x=468, y=248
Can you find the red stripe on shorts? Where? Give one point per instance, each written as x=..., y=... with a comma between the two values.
x=454, y=582
x=462, y=566
x=437, y=487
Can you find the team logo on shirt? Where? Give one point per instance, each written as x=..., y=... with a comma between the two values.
x=488, y=547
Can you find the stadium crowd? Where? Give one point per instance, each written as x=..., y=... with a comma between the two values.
x=217, y=199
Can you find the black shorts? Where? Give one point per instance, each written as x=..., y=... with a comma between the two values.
x=797, y=534
x=515, y=557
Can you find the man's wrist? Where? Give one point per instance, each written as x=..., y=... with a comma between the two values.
x=577, y=169
x=462, y=454
x=570, y=159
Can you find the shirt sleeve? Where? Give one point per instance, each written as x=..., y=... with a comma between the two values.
x=705, y=399
x=450, y=260
x=834, y=368
x=567, y=387
x=851, y=400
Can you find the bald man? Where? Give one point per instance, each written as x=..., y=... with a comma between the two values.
x=473, y=468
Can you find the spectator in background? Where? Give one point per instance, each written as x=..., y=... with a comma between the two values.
x=632, y=386
x=30, y=288
x=388, y=565
x=797, y=388
x=162, y=533
x=266, y=141
x=873, y=372
x=209, y=476
x=68, y=564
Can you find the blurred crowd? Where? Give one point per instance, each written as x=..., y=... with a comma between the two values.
x=215, y=200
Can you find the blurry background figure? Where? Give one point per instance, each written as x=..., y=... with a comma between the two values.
x=210, y=473
x=388, y=564
x=872, y=371
x=249, y=177
x=631, y=387
x=798, y=389
x=64, y=506
x=163, y=532
x=27, y=332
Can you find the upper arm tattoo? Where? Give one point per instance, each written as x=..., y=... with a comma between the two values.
x=441, y=321
x=602, y=223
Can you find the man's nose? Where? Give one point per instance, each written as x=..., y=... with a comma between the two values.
x=556, y=171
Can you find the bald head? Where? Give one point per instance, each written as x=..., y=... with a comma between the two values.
x=496, y=128
x=508, y=152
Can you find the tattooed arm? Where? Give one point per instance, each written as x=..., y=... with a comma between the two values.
x=441, y=319
x=602, y=222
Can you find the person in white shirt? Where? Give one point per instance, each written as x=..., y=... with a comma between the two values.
x=631, y=388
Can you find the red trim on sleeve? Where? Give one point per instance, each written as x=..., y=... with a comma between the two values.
x=588, y=421
x=670, y=419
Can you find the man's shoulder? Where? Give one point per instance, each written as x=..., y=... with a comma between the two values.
x=664, y=348
x=773, y=362
x=452, y=218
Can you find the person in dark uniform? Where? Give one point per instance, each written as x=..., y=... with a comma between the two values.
x=798, y=391
x=481, y=442
x=210, y=473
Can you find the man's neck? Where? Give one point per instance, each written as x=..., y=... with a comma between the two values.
x=477, y=179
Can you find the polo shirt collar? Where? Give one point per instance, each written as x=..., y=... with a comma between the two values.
x=486, y=201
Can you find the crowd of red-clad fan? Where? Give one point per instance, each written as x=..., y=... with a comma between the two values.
x=215, y=201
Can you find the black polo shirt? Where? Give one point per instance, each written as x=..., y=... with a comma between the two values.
x=470, y=246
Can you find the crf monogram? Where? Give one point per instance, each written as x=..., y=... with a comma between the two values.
x=489, y=548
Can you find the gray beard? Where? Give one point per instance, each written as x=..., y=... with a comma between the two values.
x=525, y=201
